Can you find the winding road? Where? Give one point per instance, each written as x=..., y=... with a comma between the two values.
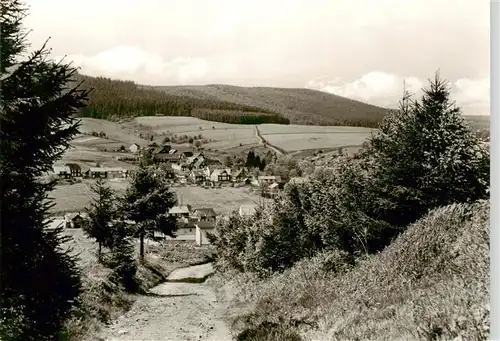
x=182, y=308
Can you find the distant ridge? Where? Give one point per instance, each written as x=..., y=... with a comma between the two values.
x=300, y=105
x=115, y=99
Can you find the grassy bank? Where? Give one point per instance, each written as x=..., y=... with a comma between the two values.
x=431, y=284
x=102, y=300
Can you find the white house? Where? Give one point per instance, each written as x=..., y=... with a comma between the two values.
x=202, y=227
x=219, y=175
x=180, y=211
x=266, y=180
x=62, y=171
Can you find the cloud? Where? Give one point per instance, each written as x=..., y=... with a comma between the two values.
x=386, y=89
x=127, y=62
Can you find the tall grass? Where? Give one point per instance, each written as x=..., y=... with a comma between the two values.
x=430, y=284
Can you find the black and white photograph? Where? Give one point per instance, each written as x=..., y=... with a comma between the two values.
x=234, y=170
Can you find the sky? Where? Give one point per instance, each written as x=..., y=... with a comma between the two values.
x=360, y=49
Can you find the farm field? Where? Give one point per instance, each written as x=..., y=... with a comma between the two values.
x=225, y=137
x=89, y=157
x=228, y=136
x=75, y=197
x=222, y=200
x=271, y=129
x=113, y=130
x=297, y=142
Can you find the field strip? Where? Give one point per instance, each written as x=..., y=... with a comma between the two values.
x=312, y=132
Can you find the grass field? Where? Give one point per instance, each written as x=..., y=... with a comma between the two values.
x=73, y=198
x=223, y=200
x=230, y=136
x=223, y=136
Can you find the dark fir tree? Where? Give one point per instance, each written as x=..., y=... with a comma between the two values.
x=147, y=202
x=250, y=159
x=424, y=156
x=40, y=282
x=101, y=212
x=122, y=256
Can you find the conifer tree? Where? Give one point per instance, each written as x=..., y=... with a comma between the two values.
x=147, y=202
x=423, y=156
x=101, y=212
x=40, y=282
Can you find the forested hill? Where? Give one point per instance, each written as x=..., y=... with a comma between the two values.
x=114, y=99
x=301, y=106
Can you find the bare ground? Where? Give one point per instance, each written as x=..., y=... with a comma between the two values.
x=173, y=311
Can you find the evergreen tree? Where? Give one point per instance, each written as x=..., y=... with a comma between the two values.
x=250, y=159
x=147, y=201
x=40, y=282
x=122, y=257
x=423, y=156
x=101, y=212
x=256, y=162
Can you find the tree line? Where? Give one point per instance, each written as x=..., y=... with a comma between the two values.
x=113, y=99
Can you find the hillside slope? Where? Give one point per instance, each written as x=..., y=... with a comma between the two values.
x=113, y=99
x=301, y=106
x=432, y=283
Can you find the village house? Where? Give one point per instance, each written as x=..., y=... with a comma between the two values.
x=181, y=167
x=185, y=230
x=199, y=164
x=185, y=227
x=164, y=158
x=197, y=176
x=74, y=220
x=266, y=180
x=183, y=156
x=98, y=172
x=204, y=214
x=273, y=189
x=208, y=170
x=197, y=161
x=116, y=172
x=180, y=211
x=161, y=153
x=202, y=229
x=63, y=172
x=134, y=148
x=246, y=210
x=239, y=175
x=75, y=170
x=220, y=175
x=167, y=171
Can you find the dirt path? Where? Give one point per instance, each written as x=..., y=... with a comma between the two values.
x=174, y=310
x=265, y=142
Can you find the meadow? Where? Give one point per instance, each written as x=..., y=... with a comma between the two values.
x=226, y=136
x=75, y=197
